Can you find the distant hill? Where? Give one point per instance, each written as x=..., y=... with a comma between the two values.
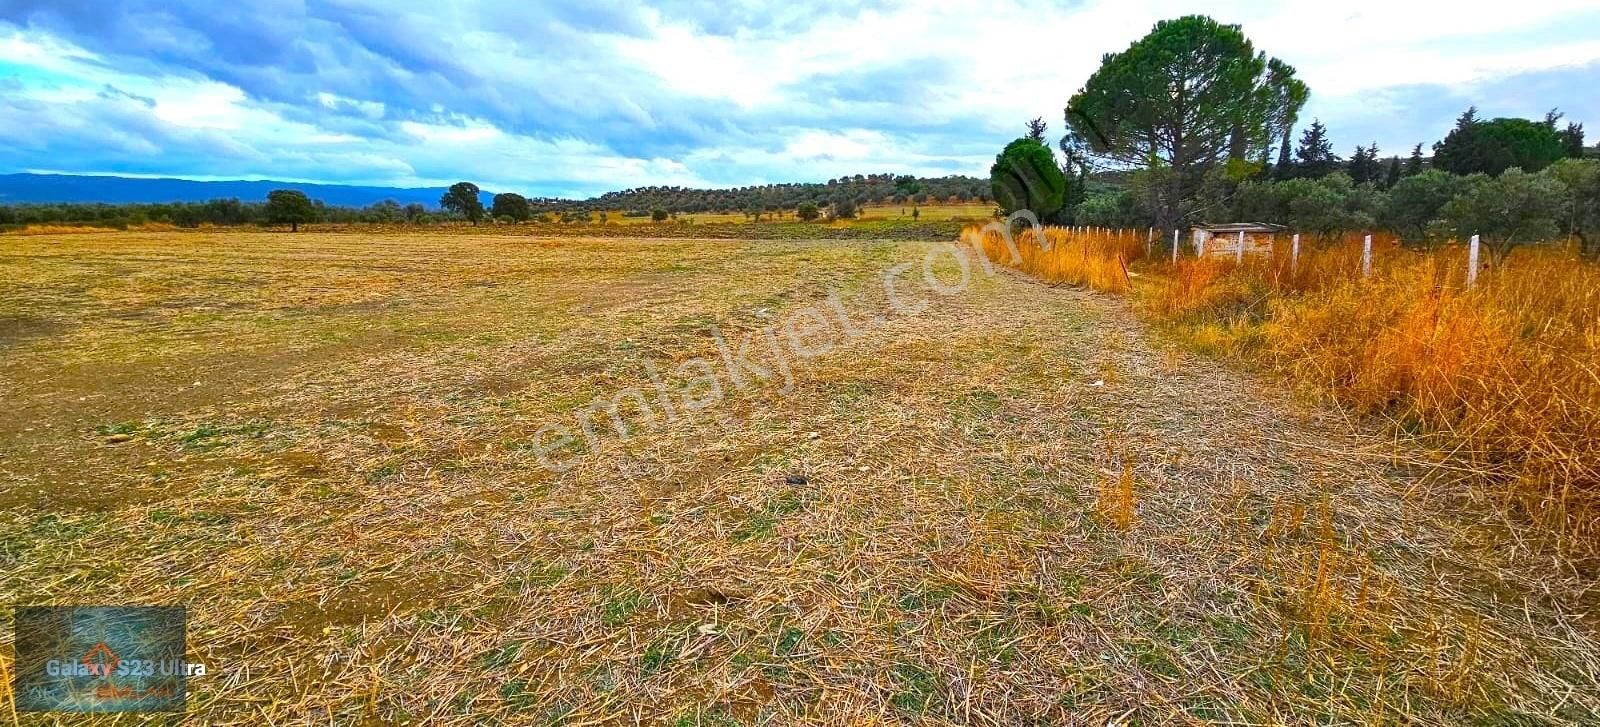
x=57, y=188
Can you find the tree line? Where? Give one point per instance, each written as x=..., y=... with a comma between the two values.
x=855, y=191
x=1197, y=126
x=220, y=212
x=836, y=198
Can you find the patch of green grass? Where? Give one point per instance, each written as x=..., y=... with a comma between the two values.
x=1207, y=708
x=764, y=522
x=760, y=525
x=502, y=657
x=518, y=695
x=383, y=472
x=929, y=596
x=211, y=518
x=106, y=430
x=1139, y=571
x=997, y=642
x=1234, y=632
x=207, y=436
x=620, y=605
x=1153, y=658
x=537, y=575
x=197, y=438
x=1081, y=687
x=919, y=688
x=787, y=642
x=976, y=404
x=705, y=719
x=657, y=655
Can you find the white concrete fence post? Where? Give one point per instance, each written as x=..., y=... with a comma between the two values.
x=1366, y=258
x=1472, y=262
x=1239, y=258
x=1174, y=247
x=1294, y=253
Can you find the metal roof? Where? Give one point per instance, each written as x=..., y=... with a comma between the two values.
x=1243, y=227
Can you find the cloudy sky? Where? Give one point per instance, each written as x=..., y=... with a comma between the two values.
x=579, y=97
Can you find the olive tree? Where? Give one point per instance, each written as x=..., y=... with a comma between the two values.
x=1513, y=209
x=1582, y=180
x=1415, y=202
x=512, y=205
x=290, y=207
x=462, y=199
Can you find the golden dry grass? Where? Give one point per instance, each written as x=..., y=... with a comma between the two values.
x=1009, y=508
x=1503, y=377
x=89, y=229
x=1095, y=259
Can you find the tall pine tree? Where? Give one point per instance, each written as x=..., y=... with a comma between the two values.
x=1315, y=157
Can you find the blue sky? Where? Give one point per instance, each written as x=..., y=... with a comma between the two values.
x=577, y=98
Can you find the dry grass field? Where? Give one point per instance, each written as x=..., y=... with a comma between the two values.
x=1010, y=506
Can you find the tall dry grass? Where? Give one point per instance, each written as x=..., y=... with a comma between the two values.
x=1097, y=260
x=1503, y=376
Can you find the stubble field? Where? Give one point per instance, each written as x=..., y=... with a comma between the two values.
x=993, y=503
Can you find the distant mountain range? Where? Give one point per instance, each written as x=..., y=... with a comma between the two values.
x=47, y=188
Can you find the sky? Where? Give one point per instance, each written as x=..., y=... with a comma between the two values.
x=580, y=97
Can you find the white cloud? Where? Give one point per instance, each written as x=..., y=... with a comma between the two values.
x=666, y=102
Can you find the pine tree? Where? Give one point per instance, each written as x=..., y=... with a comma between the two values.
x=1414, y=164
x=1037, y=128
x=1364, y=167
x=1572, y=140
x=1393, y=176
x=1315, y=155
x=1360, y=166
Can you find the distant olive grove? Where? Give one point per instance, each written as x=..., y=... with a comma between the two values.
x=838, y=198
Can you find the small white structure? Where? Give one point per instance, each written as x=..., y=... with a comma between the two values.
x=1224, y=240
